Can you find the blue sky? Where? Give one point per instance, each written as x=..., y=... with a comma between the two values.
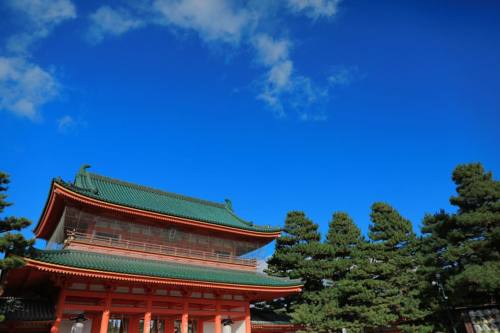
x=287, y=105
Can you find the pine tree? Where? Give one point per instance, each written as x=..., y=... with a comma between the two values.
x=325, y=310
x=432, y=246
x=474, y=241
x=12, y=244
x=464, y=247
x=384, y=283
x=294, y=255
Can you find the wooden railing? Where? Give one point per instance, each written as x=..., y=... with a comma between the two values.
x=156, y=248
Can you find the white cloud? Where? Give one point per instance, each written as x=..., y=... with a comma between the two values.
x=68, y=124
x=270, y=51
x=279, y=75
x=282, y=88
x=213, y=20
x=40, y=16
x=236, y=23
x=45, y=12
x=343, y=76
x=314, y=9
x=109, y=21
x=25, y=87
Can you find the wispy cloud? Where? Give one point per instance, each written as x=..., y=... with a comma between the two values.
x=235, y=24
x=213, y=20
x=40, y=17
x=68, y=124
x=343, y=76
x=315, y=8
x=282, y=87
x=107, y=21
x=24, y=86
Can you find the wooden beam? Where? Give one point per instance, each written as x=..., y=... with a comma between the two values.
x=154, y=298
x=84, y=307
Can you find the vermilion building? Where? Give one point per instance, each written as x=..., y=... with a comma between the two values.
x=126, y=258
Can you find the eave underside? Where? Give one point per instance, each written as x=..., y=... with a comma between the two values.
x=254, y=292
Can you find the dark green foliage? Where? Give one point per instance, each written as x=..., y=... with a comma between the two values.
x=294, y=248
x=296, y=255
x=464, y=247
x=12, y=244
x=384, y=282
x=328, y=309
x=387, y=281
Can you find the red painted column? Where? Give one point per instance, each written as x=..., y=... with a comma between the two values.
x=147, y=316
x=105, y=314
x=199, y=326
x=59, y=311
x=217, y=323
x=170, y=325
x=185, y=318
x=96, y=324
x=133, y=324
x=248, y=322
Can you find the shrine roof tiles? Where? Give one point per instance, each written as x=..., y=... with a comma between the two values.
x=157, y=269
x=145, y=198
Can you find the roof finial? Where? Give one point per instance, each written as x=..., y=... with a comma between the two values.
x=229, y=205
x=83, y=179
x=83, y=168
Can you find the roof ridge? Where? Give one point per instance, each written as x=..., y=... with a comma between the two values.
x=161, y=192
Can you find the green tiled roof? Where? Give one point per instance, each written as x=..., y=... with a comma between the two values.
x=160, y=269
x=145, y=198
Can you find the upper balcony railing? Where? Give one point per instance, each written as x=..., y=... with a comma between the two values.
x=79, y=237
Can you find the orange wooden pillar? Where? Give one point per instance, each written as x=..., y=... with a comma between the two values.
x=185, y=318
x=105, y=314
x=59, y=311
x=147, y=316
x=248, y=320
x=217, y=323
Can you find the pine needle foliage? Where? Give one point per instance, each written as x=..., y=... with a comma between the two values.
x=12, y=243
x=464, y=247
x=327, y=310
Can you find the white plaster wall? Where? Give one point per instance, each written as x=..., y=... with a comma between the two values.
x=208, y=328
x=66, y=326
x=239, y=327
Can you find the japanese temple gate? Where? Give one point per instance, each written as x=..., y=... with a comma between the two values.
x=126, y=258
